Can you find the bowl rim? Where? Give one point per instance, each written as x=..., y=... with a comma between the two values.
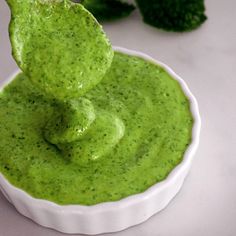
x=132, y=199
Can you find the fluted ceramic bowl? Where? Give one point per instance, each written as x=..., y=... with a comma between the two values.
x=109, y=216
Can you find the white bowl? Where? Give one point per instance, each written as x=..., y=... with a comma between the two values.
x=109, y=216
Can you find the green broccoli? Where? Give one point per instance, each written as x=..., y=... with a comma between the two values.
x=104, y=10
x=173, y=15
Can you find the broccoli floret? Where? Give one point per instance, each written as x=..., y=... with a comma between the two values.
x=107, y=10
x=173, y=15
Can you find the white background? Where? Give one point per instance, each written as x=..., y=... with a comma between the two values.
x=206, y=60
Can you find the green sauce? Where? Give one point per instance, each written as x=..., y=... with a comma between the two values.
x=157, y=130
x=72, y=145
x=59, y=45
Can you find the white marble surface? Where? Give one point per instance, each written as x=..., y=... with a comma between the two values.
x=206, y=59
